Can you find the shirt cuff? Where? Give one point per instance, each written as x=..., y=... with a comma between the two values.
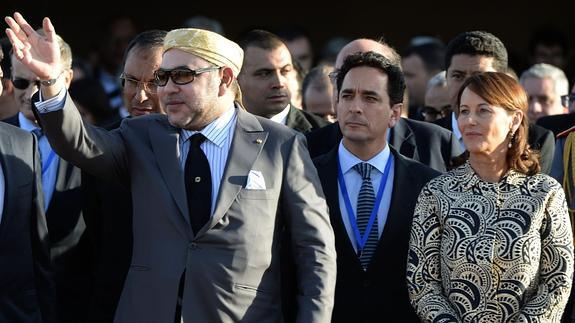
x=53, y=104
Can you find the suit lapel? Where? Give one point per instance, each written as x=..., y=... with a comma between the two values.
x=249, y=139
x=166, y=152
x=297, y=121
x=403, y=139
x=328, y=174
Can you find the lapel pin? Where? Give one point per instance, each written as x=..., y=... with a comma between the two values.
x=259, y=141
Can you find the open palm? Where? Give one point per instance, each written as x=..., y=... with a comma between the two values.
x=40, y=53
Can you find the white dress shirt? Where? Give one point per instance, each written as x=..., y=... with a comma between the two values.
x=353, y=183
x=282, y=116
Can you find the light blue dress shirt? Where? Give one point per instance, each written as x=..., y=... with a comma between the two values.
x=353, y=183
x=50, y=161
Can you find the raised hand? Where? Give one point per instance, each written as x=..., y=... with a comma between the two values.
x=40, y=53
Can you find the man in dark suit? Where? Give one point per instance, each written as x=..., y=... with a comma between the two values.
x=371, y=259
x=476, y=52
x=26, y=286
x=27, y=293
x=424, y=142
x=108, y=206
x=265, y=81
x=213, y=188
x=61, y=184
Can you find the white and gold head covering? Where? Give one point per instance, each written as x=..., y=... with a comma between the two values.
x=208, y=45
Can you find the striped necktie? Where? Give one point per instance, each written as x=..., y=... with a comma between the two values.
x=365, y=205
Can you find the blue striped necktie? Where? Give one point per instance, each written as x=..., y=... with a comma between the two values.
x=365, y=205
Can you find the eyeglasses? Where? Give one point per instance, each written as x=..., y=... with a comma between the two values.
x=180, y=75
x=23, y=84
x=132, y=84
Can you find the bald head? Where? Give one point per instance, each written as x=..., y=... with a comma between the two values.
x=367, y=45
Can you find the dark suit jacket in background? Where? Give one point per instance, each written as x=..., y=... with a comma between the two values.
x=303, y=121
x=108, y=215
x=67, y=243
x=557, y=123
x=380, y=293
x=27, y=292
x=427, y=143
x=539, y=139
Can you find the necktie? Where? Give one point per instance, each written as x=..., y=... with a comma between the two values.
x=198, y=184
x=365, y=204
x=46, y=158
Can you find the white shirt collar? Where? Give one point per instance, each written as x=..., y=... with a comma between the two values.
x=347, y=160
x=282, y=116
x=216, y=130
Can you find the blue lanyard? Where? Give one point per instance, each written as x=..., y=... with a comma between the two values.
x=362, y=240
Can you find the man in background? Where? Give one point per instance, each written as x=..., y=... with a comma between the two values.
x=265, y=80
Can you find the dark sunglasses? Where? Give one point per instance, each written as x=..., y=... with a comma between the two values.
x=23, y=84
x=180, y=75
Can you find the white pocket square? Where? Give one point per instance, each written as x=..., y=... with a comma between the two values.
x=255, y=181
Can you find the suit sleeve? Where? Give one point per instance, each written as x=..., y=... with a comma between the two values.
x=95, y=150
x=547, y=151
x=556, y=264
x=43, y=271
x=312, y=238
x=424, y=262
x=557, y=167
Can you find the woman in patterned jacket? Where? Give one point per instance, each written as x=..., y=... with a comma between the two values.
x=491, y=240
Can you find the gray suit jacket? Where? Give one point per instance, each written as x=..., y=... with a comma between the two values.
x=232, y=264
x=26, y=285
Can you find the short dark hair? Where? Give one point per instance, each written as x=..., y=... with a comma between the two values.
x=395, y=81
x=432, y=55
x=146, y=40
x=261, y=39
x=476, y=43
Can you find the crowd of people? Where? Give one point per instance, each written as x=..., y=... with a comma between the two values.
x=193, y=178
